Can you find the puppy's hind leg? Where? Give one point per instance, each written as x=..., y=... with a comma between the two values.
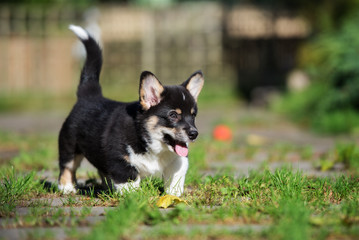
x=105, y=182
x=67, y=178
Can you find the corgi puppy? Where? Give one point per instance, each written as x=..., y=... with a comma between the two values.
x=128, y=141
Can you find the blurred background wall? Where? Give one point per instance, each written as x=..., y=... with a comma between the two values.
x=300, y=57
x=244, y=44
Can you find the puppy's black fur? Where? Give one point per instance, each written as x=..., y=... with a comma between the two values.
x=126, y=141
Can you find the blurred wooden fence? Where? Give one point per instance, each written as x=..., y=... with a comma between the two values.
x=36, y=47
x=35, y=52
x=28, y=63
x=38, y=52
x=172, y=43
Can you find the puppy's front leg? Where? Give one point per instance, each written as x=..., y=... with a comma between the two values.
x=174, y=176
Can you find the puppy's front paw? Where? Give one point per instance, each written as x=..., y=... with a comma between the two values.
x=128, y=186
x=67, y=188
x=174, y=191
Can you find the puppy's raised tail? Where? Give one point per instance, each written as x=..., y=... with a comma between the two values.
x=89, y=82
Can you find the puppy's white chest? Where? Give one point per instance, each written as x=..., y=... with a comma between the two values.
x=150, y=164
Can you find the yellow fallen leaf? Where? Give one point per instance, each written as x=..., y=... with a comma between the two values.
x=169, y=200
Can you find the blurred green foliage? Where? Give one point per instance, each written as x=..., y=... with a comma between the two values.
x=348, y=154
x=331, y=103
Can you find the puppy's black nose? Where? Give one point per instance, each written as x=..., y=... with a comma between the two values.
x=192, y=134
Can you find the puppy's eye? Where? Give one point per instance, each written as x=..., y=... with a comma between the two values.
x=173, y=115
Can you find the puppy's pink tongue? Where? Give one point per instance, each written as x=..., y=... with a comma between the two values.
x=181, y=150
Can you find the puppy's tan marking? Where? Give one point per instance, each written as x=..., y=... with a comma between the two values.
x=127, y=158
x=143, y=103
x=178, y=111
x=192, y=110
x=152, y=122
x=68, y=175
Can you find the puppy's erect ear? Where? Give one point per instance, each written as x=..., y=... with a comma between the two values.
x=194, y=84
x=150, y=90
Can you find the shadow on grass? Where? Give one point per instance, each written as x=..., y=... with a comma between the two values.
x=91, y=188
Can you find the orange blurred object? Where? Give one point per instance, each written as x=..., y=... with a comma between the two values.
x=222, y=133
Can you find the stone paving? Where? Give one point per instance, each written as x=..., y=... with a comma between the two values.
x=255, y=122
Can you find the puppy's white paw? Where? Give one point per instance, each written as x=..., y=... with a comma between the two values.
x=174, y=192
x=128, y=187
x=67, y=188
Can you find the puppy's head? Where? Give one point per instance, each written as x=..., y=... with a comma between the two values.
x=170, y=111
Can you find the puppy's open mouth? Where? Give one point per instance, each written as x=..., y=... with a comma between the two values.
x=179, y=147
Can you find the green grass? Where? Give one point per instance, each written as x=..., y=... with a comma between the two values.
x=285, y=203
x=15, y=187
x=32, y=152
x=280, y=204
